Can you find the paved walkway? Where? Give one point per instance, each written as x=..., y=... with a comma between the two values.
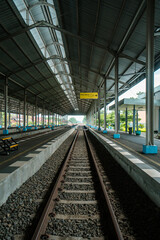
x=134, y=144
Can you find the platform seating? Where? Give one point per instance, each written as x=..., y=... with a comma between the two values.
x=8, y=144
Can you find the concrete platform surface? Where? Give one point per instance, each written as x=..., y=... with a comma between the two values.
x=142, y=170
x=134, y=144
x=28, y=144
x=14, y=175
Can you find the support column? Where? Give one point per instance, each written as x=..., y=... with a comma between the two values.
x=99, y=108
x=5, y=131
x=48, y=119
x=43, y=116
x=1, y=119
x=105, y=131
x=27, y=114
x=159, y=120
x=36, y=112
x=53, y=118
x=17, y=117
x=9, y=113
x=96, y=113
x=137, y=121
x=116, y=134
x=38, y=115
x=134, y=118
x=24, y=112
x=126, y=120
x=19, y=114
x=150, y=148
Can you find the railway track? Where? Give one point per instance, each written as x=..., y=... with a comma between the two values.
x=78, y=207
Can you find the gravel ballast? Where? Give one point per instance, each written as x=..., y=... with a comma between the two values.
x=17, y=215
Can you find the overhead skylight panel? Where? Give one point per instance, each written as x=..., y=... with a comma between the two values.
x=49, y=40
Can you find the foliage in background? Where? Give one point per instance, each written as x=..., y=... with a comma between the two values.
x=73, y=120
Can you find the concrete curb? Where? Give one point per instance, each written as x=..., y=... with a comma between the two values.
x=9, y=182
x=147, y=178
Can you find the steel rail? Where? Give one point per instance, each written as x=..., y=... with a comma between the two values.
x=117, y=235
x=43, y=222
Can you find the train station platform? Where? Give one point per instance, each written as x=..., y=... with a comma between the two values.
x=127, y=151
x=134, y=144
x=20, y=165
x=19, y=133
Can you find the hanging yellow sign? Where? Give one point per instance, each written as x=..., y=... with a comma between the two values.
x=90, y=95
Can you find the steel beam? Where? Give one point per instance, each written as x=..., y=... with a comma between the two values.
x=41, y=2
x=46, y=24
x=122, y=55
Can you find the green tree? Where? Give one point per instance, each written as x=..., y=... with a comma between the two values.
x=73, y=120
x=84, y=120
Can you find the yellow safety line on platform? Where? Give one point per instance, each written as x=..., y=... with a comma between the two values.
x=19, y=154
x=132, y=150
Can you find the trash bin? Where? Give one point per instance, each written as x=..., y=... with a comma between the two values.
x=130, y=130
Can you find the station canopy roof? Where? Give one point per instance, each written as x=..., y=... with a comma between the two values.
x=129, y=103
x=55, y=49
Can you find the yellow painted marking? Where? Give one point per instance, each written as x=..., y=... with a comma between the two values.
x=6, y=138
x=132, y=150
x=13, y=146
x=89, y=95
x=19, y=154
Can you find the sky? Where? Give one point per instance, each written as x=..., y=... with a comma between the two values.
x=140, y=87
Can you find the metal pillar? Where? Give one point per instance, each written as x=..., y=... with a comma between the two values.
x=99, y=108
x=17, y=117
x=95, y=113
x=38, y=115
x=126, y=119
x=1, y=120
x=24, y=112
x=9, y=120
x=19, y=113
x=27, y=114
x=36, y=112
x=137, y=120
x=149, y=147
x=43, y=115
x=48, y=118
x=105, y=131
x=134, y=115
x=53, y=118
x=159, y=121
x=5, y=131
x=116, y=135
x=119, y=119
